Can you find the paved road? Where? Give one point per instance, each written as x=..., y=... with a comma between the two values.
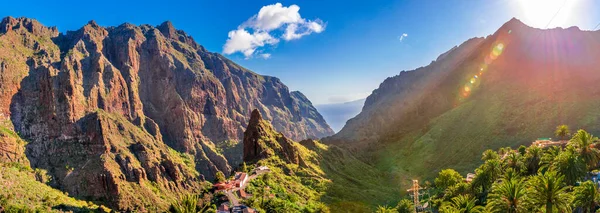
x=233, y=199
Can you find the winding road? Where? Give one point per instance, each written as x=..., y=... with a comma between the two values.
x=230, y=193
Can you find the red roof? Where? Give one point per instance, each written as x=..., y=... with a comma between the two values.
x=223, y=207
x=222, y=185
x=243, y=194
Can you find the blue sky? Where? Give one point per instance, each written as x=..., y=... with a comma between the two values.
x=358, y=47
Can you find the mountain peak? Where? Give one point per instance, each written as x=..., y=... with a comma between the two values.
x=255, y=117
x=167, y=29
x=261, y=141
x=93, y=24
x=29, y=25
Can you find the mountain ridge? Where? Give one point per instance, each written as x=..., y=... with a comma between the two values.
x=506, y=89
x=134, y=109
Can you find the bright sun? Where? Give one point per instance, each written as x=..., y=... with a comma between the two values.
x=538, y=13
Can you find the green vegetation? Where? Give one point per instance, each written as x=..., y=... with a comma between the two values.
x=21, y=192
x=492, y=117
x=586, y=196
x=562, y=131
x=319, y=184
x=205, y=202
x=533, y=179
x=193, y=204
x=508, y=196
x=405, y=206
x=385, y=209
x=287, y=188
x=220, y=177
x=447, y=178
x=462, y=203
x=354, y=184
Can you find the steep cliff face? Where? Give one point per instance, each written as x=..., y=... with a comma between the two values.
x=104, y=106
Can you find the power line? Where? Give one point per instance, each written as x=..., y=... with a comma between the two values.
x=596, y=27
x=556, y=14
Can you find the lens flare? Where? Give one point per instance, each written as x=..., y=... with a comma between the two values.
x=500, y=46
x=472, y=83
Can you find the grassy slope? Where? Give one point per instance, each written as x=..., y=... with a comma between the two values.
x=20, y=190
x=300, y=186
x=333, y=176
x=482, y=122
x=355, y=185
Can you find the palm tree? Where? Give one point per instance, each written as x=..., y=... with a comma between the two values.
x=586, y=196
x=514, y=160
x=489, y=155
x=405, y=206
x=548, y=157
x=584, y=142
x=562, y=131
x=187, y=204
x=569, y=164
x=462, y=204
x=485, y=175
x=385, y=209
x=533, y=158
x=549, y=191
x=508, y=196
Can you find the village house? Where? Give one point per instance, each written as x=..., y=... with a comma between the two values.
x=262, y=169
x=223, y=208
x=243, y=194
x=240, y=179
x=242, y=209
x=469, y=177
x=547, y=142
x=223, y=185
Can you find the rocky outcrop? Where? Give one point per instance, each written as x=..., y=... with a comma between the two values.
x=261, y=141
x=12, y=147
x=104, y=106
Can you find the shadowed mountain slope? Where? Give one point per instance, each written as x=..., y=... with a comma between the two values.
x=503, y=90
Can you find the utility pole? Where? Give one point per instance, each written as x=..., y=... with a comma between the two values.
x=416, y=194
x=415, y=189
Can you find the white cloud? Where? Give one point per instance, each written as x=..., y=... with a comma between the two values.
x=273, y=16
x=401, y=38
x=242, y=41
x=262, y=29
x=297, y=30
x=265, y=55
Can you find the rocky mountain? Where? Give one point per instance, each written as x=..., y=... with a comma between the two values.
x=132, y=115
x=261, y=141
x=503, y=90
